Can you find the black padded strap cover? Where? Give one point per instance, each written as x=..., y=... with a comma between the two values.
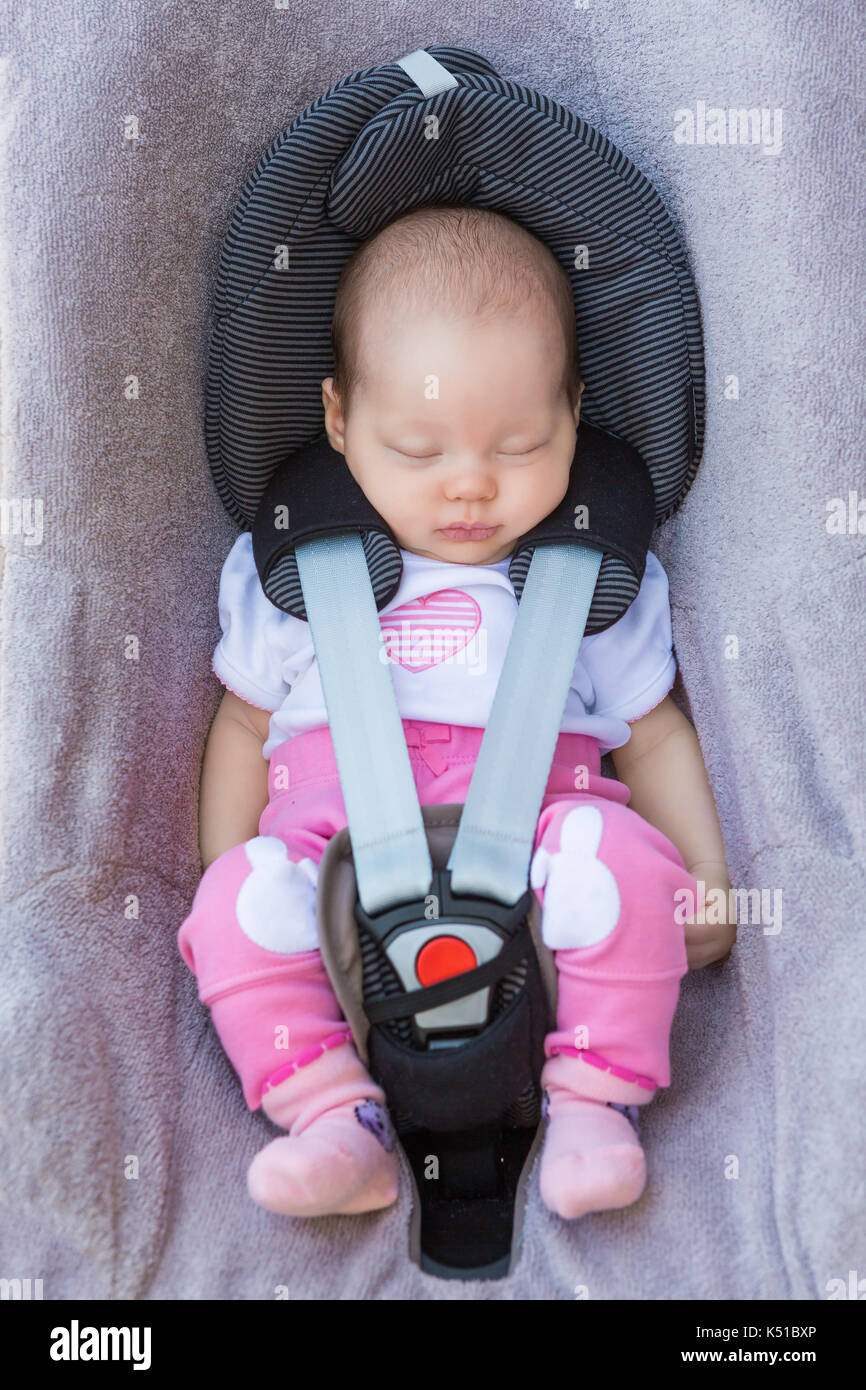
x=313, y=493
x=609, y=479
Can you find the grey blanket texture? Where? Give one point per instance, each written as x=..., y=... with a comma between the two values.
x=127, y=132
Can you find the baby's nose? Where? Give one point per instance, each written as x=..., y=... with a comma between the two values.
x=473, y=480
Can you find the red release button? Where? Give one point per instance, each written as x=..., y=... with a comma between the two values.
x=443, y=957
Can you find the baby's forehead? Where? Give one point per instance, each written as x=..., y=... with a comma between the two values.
x=416, y=311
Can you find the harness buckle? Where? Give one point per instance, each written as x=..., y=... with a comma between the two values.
x=448, y=950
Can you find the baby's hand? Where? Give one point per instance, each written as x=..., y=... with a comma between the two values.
x=712, y=940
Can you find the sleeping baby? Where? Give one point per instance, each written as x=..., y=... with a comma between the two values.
x=455, y=402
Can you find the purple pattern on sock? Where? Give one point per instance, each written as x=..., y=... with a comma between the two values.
x=630, y=1112
x=374, y=1117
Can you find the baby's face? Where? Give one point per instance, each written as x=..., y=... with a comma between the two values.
x=459, y=424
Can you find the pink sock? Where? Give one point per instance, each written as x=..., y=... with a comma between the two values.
x=592, y=1159
x=339, y=1155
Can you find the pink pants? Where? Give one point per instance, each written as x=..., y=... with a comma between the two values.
x=606, y=881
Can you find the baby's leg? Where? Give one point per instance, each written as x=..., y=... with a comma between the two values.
x=251, y=940
x=606, y=880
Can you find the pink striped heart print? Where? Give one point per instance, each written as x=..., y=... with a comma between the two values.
x=427, y=631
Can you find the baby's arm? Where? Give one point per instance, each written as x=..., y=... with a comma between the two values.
x=234, y=778
x=664, y=770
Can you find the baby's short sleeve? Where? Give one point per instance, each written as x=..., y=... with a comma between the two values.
x=631, y=664
x=262, y=650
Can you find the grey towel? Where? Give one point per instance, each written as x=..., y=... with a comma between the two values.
x=127, y=133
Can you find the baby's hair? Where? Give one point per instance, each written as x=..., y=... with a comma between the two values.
x=470, y=259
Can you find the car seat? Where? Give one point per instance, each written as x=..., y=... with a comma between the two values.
x=427, y=925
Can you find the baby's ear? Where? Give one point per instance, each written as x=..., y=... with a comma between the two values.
x=334, y=424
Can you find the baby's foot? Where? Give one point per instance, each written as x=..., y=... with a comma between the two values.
x=342, y=1164
x=591, y=1159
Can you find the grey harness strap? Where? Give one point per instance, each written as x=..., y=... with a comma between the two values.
x=491, y=854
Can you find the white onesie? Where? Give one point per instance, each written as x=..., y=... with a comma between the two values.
x=444, y=635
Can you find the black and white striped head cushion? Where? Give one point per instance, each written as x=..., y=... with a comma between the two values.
x=359, y=156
